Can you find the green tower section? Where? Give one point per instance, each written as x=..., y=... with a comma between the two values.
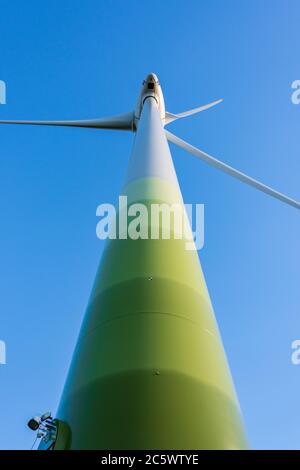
x=149, y=370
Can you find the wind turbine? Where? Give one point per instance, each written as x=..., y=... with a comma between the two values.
x=149, y=370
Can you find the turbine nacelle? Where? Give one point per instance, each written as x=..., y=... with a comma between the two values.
x=150, y=89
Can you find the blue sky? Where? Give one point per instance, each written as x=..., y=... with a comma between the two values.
x=73, y=59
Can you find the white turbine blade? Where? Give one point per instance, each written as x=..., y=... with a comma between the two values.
x=170, y=117
x=120, y=122
x=231, y=171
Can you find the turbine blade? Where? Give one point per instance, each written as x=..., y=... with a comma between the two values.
x=120, y=122
x=231, y=171
x=170, y=117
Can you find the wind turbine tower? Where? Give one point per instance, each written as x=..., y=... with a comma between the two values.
x=149, y=370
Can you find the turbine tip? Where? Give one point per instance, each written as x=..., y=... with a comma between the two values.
x=151, y=77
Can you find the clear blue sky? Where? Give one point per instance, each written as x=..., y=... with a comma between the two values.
x=71, y=59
